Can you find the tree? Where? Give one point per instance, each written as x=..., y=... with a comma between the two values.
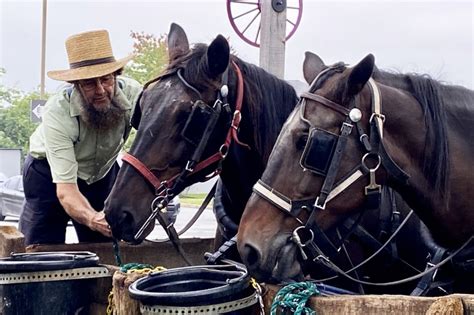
x=15, y=124
x=151, y=58
x=7, y=95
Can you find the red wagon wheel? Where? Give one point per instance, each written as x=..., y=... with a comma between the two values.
x=245, y=17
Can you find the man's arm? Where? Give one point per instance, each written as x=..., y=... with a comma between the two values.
x=78, y=208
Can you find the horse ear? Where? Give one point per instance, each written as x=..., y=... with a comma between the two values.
x=312, y=66
x=360, y=74
x=218, y=55
x=178, y=44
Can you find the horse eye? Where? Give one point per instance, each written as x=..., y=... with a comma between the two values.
x=301, y=142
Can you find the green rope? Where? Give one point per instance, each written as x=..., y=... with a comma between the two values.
x=130, y=266
x=293, y=297
x=116, y=248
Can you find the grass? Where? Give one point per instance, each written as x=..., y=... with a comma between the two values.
x=192, y=200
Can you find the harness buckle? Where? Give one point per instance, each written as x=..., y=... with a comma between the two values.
x=189, y=166
x=216, y=103
x=236, y=119
x=323, y=259
x=377, y=115
x=223, y=150
x=346, y=128
x=316, y=204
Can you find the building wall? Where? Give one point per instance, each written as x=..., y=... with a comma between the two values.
x=10, y=162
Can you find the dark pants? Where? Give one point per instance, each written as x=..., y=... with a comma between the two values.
x=44, y=220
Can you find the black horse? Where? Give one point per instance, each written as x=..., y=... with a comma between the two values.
x=207, y=105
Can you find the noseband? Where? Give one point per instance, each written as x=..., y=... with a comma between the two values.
x=165, y=190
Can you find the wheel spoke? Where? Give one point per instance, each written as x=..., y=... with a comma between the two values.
x=244, y=2
x=258, y=32
x=245, y=27
x=245, y=13
x=248, y=25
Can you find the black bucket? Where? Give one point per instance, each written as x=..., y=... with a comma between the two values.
x=48, y=282
x=220, y=289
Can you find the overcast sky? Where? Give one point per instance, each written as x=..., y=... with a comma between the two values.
x=433, y=37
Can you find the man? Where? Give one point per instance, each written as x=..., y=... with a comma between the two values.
x=72, y=162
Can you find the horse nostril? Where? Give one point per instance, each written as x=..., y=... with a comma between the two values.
x=251, y=255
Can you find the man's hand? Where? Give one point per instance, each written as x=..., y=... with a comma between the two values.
x=98, y=223
x=78, y=208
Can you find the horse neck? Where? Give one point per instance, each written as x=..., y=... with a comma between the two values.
x=448, y=217
x=267, y=102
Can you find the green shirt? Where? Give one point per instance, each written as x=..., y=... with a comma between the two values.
x=90, y=154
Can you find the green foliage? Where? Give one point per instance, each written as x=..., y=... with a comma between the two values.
x=15, y=124
x=151, y=57
x=7, y=95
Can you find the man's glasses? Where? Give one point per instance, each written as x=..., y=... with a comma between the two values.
x=91, y=84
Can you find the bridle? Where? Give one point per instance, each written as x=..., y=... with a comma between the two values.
x=372, y=144
x=165, y=190
x=304, y=235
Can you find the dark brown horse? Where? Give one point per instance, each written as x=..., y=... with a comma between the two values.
x=349, y=134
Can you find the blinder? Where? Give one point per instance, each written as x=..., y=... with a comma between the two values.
x=318, y=151
x=202, y=118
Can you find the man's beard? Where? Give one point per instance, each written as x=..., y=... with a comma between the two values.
x=102, y=119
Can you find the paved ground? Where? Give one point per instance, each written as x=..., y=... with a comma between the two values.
x=204, y=227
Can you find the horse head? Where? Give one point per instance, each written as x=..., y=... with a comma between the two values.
x=182, y=119
x=327, y=164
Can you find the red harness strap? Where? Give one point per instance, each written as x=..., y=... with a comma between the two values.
x=216, y=157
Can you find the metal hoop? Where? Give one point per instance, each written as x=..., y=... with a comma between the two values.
x=379, y=161
x=157, y=203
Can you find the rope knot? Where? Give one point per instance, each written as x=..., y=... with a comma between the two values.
x=294, y=297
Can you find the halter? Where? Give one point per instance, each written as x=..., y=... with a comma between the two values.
x=165, y=190
x=333, y=148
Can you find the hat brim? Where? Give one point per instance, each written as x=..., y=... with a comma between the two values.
x=88, y=72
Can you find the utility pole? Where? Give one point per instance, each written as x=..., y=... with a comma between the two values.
x=36, y=106
x=43, y=48
x=273, y=33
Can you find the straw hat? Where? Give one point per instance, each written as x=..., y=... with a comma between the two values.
x=90, y=55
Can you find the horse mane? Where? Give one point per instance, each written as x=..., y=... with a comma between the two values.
x=428, y=92
x=268, y=99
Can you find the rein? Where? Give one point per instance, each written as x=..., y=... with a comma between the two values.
x=164, y=190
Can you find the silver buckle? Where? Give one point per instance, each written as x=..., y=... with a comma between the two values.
x=318, y=206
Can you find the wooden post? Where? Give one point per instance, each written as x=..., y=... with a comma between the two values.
x=455, y=304
x=11, y=241
x=123, y=304
x=272, y=40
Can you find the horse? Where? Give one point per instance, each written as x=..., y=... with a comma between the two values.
x=355, y=129
x=192, y=121
x=198, y=96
